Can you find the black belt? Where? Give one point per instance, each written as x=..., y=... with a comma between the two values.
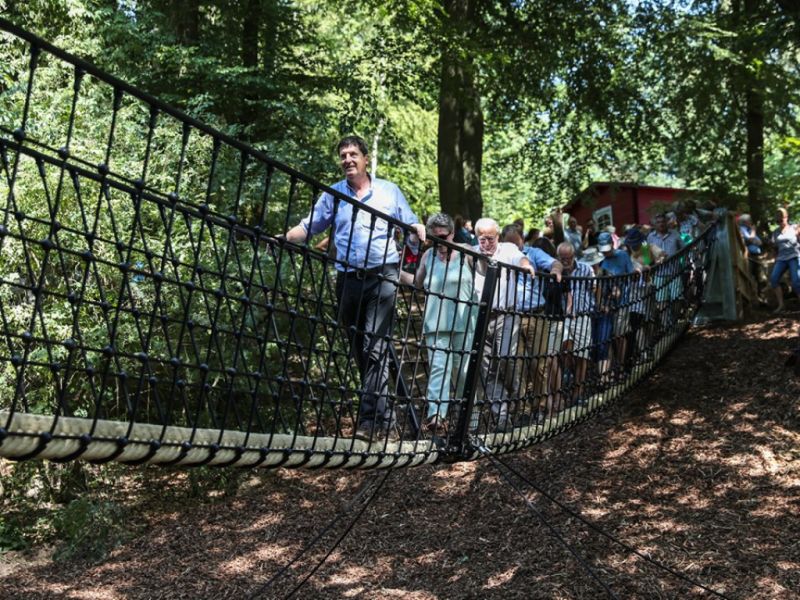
x=362, y=274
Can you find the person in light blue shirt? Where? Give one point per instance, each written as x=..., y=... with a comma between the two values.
x=573, y=236
x=749, y=235
x=667, y=239
x=451, y=308
x=369, y=244
x=368, y=265
x=786, y=239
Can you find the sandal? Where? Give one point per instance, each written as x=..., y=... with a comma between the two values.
x=437, y=425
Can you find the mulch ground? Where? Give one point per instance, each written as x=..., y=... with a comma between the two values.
x=698, y=468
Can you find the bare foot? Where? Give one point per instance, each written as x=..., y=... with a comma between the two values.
x=780, y=309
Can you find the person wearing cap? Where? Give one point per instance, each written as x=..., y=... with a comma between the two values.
x=570, y=340
x=615, y=294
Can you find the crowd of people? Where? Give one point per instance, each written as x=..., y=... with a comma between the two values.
x=566, y=309
x=785, y=240
x=571, y=307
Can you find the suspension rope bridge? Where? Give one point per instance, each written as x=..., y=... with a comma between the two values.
x=152, y=312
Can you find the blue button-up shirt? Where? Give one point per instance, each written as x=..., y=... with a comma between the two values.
x=619, y=263
x=582, y=290
x=529, y=295
x=371, y=244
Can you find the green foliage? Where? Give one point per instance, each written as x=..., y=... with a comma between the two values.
x=88, y=530
x=85, y=511
x=574, y=91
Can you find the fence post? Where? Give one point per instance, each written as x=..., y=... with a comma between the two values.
x=458, y=442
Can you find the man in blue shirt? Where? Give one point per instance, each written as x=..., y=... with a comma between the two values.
x=367, y=262
x=573, y=236
x=665, y=238
x=614, y=293
x=668, y=274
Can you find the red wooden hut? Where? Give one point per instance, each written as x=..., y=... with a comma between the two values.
x=616, y=203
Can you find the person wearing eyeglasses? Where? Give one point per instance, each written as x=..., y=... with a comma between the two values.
x=449, y=319
x=499, y=365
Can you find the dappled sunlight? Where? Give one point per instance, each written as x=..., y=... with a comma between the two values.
x=706, y=488
x=501, y=578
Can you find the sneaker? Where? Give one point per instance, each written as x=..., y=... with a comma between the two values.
x=437, y=426
x=391, y=433
x=366, y=431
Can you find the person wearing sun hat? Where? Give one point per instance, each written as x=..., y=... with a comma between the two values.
x=591, y=256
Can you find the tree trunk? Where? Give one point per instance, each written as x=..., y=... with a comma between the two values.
x=251, y=22
x=755, y=154
x=460, y=144
x=471, y=146
x=185, y=17
x=451, y=170
x=754, y=124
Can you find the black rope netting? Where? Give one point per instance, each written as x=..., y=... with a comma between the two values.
x=150, y=309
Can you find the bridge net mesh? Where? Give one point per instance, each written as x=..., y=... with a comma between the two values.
x=151, y=312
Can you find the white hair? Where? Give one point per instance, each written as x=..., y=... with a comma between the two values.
x=486, y=223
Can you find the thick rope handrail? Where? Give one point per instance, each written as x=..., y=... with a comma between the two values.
x=152, y=312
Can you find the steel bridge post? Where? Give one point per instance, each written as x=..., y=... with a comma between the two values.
x=458, y=442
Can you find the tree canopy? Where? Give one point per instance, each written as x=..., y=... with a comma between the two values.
x=476, y=106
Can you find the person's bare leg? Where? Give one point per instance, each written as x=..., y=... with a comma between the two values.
x=554, y=385
x=779, y=297
x=580, y=377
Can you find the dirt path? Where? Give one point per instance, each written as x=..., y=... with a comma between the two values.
x=698, y=467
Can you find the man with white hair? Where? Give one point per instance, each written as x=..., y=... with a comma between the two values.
x=503, y=328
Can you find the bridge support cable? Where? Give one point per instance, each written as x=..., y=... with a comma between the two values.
x=553, y=531
x=594, y=527
x=369, y=489
x=152, y=312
